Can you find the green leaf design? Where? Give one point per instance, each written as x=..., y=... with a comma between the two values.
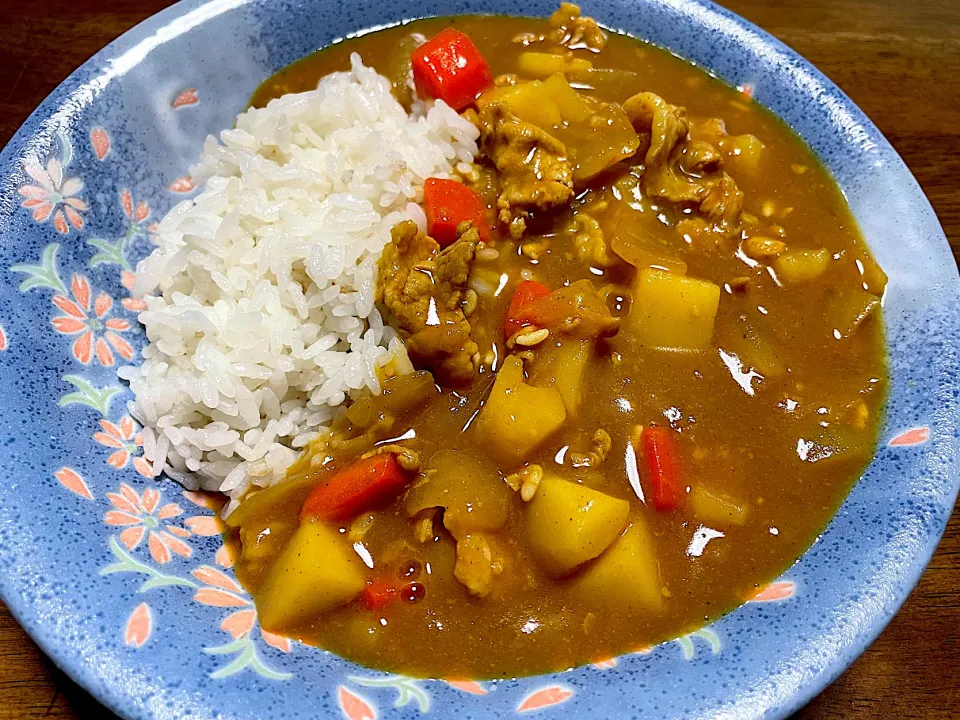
x=127, y=563
x=689, y=649
x=407, y=688
x=686, y=644
x=110, y=253
x=43, y=275
x=113, y=252
x=711, y=637
x=161, y=580
x=231, y=647
x=66, y=149
x=248, y=658
x=263, y=670
x=87, y=394
x=236, y=665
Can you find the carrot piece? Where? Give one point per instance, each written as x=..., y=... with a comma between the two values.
x=378, y=594
x=362, y=485
x=659, y=449
x=447, y=203
x=450, y=68
x=526, y=292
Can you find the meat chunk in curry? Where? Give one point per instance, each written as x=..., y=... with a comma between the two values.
x=533, y=168
x=573, y=30
x=422, y=287
x=682, y=170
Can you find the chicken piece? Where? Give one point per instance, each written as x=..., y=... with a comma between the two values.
x=668, y=128
x=422, y=288
x=682, y=170
x=590, y=245
x=666, y=125
x=700, y=157
x=574, y=31
x=743, y=152
x=475, y=567
x=576, y=310
x=722, y=206
x=535, y=172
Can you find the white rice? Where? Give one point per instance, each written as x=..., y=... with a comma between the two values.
x=260, y=295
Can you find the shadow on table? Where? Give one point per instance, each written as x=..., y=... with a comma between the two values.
x=72, y=701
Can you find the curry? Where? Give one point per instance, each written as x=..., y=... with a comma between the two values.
x=647, y=358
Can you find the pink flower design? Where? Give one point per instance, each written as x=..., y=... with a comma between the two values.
x=124, y=437
x=128, y=279
x=138, y=215
x=226, y=556
x=545, y=697
x=220, y=590
x=780, y=590
x=100, y=141
x=71, y=480
x=239, y=623
x=278, y=641
x=353, y=706
x=186, y=97
x=913, y=436
x=139, y=626
x=184, y=184
x=204, y=525
x=54, y=196
x=142, y=516
x=204, y=499
x=89, y=322
x=468, y=686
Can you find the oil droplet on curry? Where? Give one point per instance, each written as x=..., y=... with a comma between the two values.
x=648, y=367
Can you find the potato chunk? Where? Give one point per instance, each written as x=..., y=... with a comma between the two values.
x=800, y=266
x=561, y=365
x=873, y=277
x=717, y=509
x=849, y=310
x=626, y=576
x=673, y=312
x=315, y=572
x=529, y=101
x=569, y=524
x=543, y=65
x=518, y=417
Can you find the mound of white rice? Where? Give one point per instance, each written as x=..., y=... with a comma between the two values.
x=260, y=295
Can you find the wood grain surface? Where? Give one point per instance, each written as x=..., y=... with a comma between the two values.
x=899, y=61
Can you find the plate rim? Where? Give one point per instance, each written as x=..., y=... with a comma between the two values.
x=35, y=126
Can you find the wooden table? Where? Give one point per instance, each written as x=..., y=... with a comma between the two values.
x=899, y=61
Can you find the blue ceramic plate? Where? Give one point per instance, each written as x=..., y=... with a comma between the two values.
x=123, y=580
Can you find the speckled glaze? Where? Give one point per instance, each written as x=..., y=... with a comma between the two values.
x=123, y=580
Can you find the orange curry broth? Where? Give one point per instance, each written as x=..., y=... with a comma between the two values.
x=742, y=436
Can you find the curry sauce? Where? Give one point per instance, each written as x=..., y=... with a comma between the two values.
x=771, y=412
